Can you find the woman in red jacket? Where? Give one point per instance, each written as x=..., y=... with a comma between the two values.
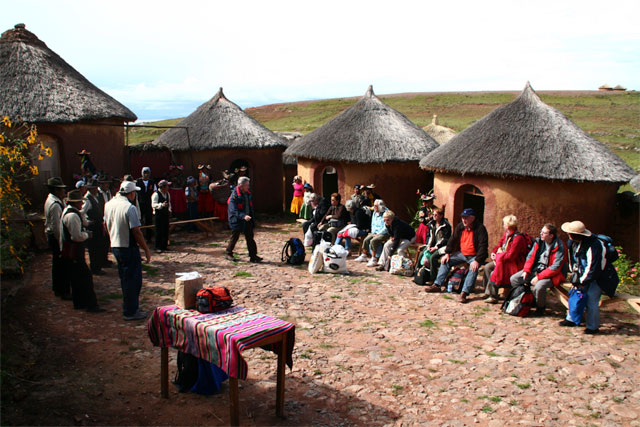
x=507, y=259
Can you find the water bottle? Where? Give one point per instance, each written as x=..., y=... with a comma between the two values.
x=449, y=288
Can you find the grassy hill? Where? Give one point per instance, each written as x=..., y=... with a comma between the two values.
x=613, y=118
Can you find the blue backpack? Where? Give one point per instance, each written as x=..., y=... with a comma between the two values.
x=293, y=252
x=611, y=251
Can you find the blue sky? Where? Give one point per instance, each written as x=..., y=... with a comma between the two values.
x=163, y=59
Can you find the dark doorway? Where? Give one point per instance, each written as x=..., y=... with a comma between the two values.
x=473, y=198
x=329, y=181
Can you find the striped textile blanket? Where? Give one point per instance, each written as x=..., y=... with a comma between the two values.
x=218, y=337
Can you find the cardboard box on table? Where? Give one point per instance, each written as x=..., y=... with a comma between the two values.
x=187, y=285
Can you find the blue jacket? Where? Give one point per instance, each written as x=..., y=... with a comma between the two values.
x=236, y=210
x=588, y=257
x=377, y=223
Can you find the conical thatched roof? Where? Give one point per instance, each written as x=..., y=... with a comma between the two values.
x=528, y=138
x=619, y=87
x=39, y=86
x=219, y=123
x=441, y=134
x=605, y=87
x=368, y=132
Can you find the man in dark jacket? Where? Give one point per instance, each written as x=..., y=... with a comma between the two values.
x=241, y=220
x=320, y=207
x=147, y=187
x=470, y=244
x=93, y=209
x=402, y=235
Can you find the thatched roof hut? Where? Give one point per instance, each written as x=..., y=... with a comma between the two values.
x=219, y=123
x=71, y=113
x=605, y=87
x=527, y=159
x=39, y=86
x=222, y=135
x=441, y=134
x=368, y=132
x=369, y=142
x=528, y=138
x=619, y=87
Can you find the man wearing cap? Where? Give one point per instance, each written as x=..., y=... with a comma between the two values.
x=545, y=266
x=53, y=207
x=93, y=210
x=357, y=196
x=469, y=244
x=146, y=188
x=123, y=223
x=161, y=204
x=241, y=220
x=72, y=240
x=587, y=257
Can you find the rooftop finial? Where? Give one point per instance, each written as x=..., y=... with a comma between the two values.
x=370, y=91
x=435, y=119
x=20, y=26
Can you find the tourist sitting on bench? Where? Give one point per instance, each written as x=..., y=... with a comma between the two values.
x=545, y=266
x=438, y=235
x=377, y=238
x=401, y=236
x=507, y=258
x=319, y=206
x=469, y=244
x=359, y=226
x=335, y=218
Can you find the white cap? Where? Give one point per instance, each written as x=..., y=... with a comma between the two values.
x=128, y=187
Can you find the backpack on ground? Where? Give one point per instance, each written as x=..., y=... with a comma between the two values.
x=456, y=279
x=187, y=373
x=293, y=252
x=211, y=300
x=401, y=266
x=519, y=301
x=320, y=236
x=611, y=253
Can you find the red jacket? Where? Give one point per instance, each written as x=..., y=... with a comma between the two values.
x=511, y=260
x=556, y=265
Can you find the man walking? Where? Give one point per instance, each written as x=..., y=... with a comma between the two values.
x=241, y=220
x=53, y=208
x=123, y=223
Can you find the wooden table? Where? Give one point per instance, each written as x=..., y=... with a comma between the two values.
x=279, y=339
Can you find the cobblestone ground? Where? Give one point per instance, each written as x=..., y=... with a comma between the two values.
x=371, y=349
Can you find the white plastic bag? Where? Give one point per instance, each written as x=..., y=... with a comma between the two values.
x=316, y=262
x=308, y=237
x=335, y=260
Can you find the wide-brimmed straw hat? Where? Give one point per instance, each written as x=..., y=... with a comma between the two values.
x=575, y=227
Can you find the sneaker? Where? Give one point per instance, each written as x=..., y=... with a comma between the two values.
x=256, y=259
x=139, y=315
x=361, y=258
x=566, y=322
x=591, y=331
x=491, y=300
x=372, y=262
x=229, y=257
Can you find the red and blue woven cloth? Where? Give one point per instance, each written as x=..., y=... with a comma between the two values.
x=218, y=337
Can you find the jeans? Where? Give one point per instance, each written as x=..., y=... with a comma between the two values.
x=457, y=259
x=347, y=240
x=373, y=243
x=593, y=292
x=130, y=272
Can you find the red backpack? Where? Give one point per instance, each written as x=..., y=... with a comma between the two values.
x=210, y=300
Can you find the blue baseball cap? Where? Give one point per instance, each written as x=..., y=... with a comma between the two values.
x=468, y=212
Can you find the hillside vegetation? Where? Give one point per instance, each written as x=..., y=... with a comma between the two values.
x=613, y=118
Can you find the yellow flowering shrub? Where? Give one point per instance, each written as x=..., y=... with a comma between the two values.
x=20, y=150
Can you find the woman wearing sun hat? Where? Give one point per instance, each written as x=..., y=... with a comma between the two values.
x=587, y=260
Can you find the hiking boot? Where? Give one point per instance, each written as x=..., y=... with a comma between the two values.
x=96, y=309
x=372, y=262
x=138, y=315
x=256, y=259
x=361, y=258
x=491, y=300
x=463, y=298
x=433, y=288
x=566, y=322
x=229, y=257
x=591, y=331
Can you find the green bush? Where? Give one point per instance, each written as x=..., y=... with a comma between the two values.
x=629, y=274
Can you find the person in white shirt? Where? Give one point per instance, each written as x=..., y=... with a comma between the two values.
x=72, y=240
x=161, y=204
x=53, y=207
x=104, y=195
x=123, y=224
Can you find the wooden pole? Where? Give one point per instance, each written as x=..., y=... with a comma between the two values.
x=234, y=408
x=282, y=360
x=164, y=372
x=186, y=221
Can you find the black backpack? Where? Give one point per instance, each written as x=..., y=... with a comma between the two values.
x=293, y=252
x=611, y=252
x=319, y=236
x=187, y=373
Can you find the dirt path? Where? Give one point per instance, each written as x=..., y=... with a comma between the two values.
x=371, y=349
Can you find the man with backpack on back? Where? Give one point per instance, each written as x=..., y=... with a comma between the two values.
x=590, y=261
x=545, y=266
